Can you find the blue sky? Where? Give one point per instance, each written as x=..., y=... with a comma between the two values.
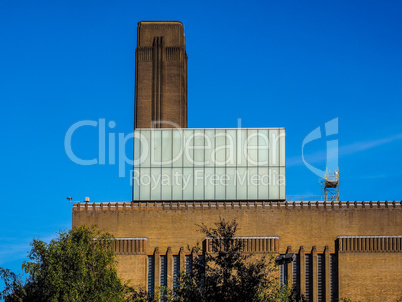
x=292, y=64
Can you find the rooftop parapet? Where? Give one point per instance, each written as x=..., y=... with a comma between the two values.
x=183, y=205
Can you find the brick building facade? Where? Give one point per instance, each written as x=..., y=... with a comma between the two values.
x=343, y=249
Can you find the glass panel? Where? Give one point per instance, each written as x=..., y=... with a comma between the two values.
x=166, y=183
x=167, y=148
x=145, y=184
x=136, y=184
x=241, y=180
x=282, y=182
x=137, y=148
x=273, y=147
x=188, y=156
x=177, y=180
x=199, y=183
x=282, y=148
x=265, y=181
x=274, y=184
x=231, y=184
x=237, y=148
x=209, y=184
x=178, y=148
x=155, y=184
x=199, y=139
x=253, y=180
x=187, y=184
x=156, y=148
x=146, y=148
x=220, y=148
x=263, y=147
x=209, y=147
x=241, y=147
x=220, y=187
x=231, y=150
x=252, y=147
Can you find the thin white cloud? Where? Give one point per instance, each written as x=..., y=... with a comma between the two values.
x=362, y=146
x=17, y=248
x=321, y=156
x=375, y=176
x=11, y=252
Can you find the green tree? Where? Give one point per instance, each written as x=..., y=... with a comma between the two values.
x=228, y=274
x=77, y=266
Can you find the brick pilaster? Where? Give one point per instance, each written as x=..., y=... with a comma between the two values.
x=315, y=273
x=182, y=257
x=169, y=259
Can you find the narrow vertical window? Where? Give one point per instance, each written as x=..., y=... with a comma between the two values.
x=283, y=272
x=201, y=263
x=176, y=271
x=321, y=277
x=163, y=271
x=309, y=282
x=151, y=275
x=296, y=270
x=163, y=274
x=334, y=277
x=189, y=264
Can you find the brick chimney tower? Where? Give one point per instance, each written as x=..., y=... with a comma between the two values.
x=160, y=75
